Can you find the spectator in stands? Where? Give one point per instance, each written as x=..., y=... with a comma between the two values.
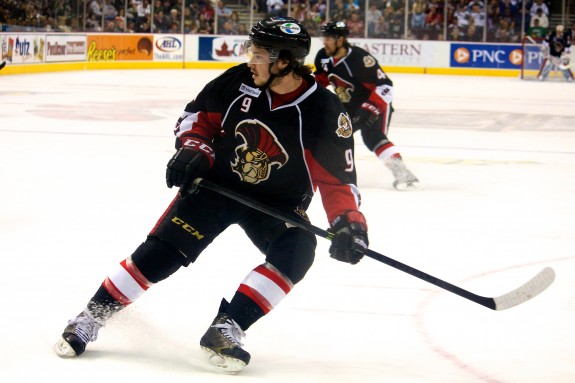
x=356, y=25
x=161, y=22
x=276, y=8
x=190, y=25
x=96, y=9
x=493, y=10
x=243, y=29
x=351, y=6
x=174, y=28
x=433, y=21
x=462, y=17
x=373, y=18
x=542, y=19
x=227, y=29
x=539, y=4
x=93, y=24
x=223, y=13
x=504, y=32
x=143, y=12
x=109, y=26
x=418, y=17
x=508, y=9
x=478, y=16
x=204, y=25
x=299, y=10
x=339, y=13
x=453, y=31
x=396, y=19
x=382, y=28
x=174, y=16
x=537, y=31
x=208, y=13
x=109, y=11
x=311, y=24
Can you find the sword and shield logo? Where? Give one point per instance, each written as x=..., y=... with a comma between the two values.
x=258, y=153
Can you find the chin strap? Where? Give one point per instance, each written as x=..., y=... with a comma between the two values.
x=287, y=70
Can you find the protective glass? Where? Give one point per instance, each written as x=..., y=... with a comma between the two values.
x=259, y=55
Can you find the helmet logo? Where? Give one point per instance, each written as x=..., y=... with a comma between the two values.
x=290, y=28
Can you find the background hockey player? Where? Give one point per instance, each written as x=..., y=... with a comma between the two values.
x=267, y=130
x=557, y=48
x=366, y=92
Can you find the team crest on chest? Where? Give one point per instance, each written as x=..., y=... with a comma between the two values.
x=343, y=89
x=258, y=153
x=368, y=61
x=343, y=126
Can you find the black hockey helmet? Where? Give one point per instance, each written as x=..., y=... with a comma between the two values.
x=282, y=34
x=335, y=29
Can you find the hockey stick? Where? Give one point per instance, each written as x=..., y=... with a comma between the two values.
x=2, y=65
x=530, y=289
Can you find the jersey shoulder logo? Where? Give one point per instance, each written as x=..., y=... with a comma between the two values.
x=343, y=126
x=258, y=152
x=249, y=90
x=368, y=61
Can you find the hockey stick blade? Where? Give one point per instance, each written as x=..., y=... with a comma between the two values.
x=2, y=65
x=530, y=289
x=533, y=287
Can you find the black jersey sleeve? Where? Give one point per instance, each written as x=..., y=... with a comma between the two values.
x=330, y=157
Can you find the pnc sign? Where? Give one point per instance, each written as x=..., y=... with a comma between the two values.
x=485, y=56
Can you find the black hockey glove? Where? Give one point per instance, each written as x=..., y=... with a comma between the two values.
x=194, y=159
x=366, y=115
x=350, y=240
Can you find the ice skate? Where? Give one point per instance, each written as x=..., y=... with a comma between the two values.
x=404, y=179
x=80, y=330
x=223, y=343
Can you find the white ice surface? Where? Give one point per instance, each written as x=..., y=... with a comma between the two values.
x=82, y=162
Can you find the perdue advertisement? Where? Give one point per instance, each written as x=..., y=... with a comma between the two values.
x=120, y=48
x=65, y=48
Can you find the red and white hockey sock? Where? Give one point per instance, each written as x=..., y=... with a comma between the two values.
x=266, y=286
x=126, y=283
x=387, y=151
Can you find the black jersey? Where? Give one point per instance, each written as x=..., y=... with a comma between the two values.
x=356, y=78
x=557, y=44
x=275, y=154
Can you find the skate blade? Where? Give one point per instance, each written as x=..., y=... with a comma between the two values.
x=406, y=186
x=224, y=363
x=64, y=350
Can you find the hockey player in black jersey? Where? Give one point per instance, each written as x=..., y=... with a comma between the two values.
x=267, y=130
x=366, y=92
x=557, y=45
